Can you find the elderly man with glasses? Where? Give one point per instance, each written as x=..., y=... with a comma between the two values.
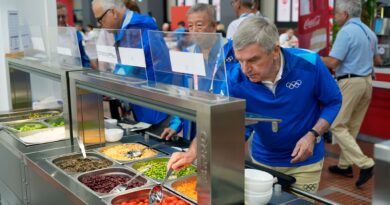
x=112, y=14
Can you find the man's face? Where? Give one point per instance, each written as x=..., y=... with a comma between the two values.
x=290, y=33
x=201, y=22
x=61, y=17
x=257, y=64
x=340, y=17
x=106, y=18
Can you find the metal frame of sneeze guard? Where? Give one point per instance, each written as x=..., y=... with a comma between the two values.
x=220, y=128
x=64, y=48
x=193, y=61
x=120, y=54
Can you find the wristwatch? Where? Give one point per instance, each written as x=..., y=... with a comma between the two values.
x=316, y=135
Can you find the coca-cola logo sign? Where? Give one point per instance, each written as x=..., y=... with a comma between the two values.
x=310, y=23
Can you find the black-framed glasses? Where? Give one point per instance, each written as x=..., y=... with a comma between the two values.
x=99, y=19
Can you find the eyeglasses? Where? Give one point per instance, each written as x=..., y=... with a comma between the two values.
x=61, y=16
x=99, y=19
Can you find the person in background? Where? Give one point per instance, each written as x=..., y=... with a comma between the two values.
x=201, y=18
x=166, y=27
x=132, y=5
x=289, y=84
x=352, y=57
x=221, y=29
x=61, y=22
x=242, y=9
x=288, y=39
x=181, y=27
x=112, y=14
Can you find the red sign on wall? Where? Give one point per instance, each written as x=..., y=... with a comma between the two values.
x=313, y=25
x=178, y=13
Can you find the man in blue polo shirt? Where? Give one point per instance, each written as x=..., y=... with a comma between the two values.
x=290, y=84
x=112, y=14
x=352, y=58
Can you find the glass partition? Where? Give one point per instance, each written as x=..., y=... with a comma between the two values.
x=64, y=47
x=120, y=55
x=34, y=43
x=194, y=61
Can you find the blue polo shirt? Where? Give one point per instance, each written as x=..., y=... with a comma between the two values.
x=305, y=93
x=133, y=20
x=355, y=47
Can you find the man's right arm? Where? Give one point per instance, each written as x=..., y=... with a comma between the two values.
x=179, y=160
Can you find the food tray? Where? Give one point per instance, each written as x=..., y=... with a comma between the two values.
x=25, y=115
x=90, y=155
x=161, y=170
x=141, y=193
x=171, y=185
x=120, y=161
x=117, y=171
x=15, y=127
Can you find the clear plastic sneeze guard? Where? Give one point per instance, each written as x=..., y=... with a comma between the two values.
x=34, y=43
x=192, y=62
x=64, y=47
x=120, y=55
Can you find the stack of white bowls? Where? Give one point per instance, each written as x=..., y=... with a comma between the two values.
x=258, y=187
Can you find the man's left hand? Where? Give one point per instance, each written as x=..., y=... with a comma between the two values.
x=304, y=148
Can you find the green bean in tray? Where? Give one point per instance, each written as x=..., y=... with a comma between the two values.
x=159, y=169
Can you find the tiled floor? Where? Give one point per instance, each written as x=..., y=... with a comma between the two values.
x=342, y=189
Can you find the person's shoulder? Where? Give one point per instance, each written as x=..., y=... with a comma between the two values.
x=300, y=58
x=143, y=21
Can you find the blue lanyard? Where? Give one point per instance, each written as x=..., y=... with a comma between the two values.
x=368, y=37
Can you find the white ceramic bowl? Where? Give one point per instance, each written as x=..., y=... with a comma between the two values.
x=258, y=187
x=257, y=176
x=113, y=135
x=258, y=199
x=110, y=123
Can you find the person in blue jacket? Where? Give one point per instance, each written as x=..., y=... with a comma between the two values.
x=61, y=22
x=201, y=18
x=290, y=84
x=112, y=14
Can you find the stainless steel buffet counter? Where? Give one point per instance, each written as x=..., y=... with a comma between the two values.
x=44, y=183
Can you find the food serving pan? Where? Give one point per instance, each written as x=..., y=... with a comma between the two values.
x=29, y=115
x=95, y=180
x=172, y=186
x=157, y=173
x=57, y=160
x=122, y=153
x=141, y=194
x=32, y=126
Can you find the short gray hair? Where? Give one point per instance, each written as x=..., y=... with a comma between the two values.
x=256, y=29
x=209, y=9
x=107, y=4
x=352, y=7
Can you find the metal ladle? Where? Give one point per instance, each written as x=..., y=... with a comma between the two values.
x=137, y=153
x=124, y=186
x=156, y=194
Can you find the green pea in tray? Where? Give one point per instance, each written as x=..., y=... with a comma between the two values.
x=159, y=169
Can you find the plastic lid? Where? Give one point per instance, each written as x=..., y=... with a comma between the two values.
x=257, y=175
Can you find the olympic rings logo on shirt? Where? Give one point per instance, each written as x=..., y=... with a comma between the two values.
x=294, y=84
x=229, y=59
